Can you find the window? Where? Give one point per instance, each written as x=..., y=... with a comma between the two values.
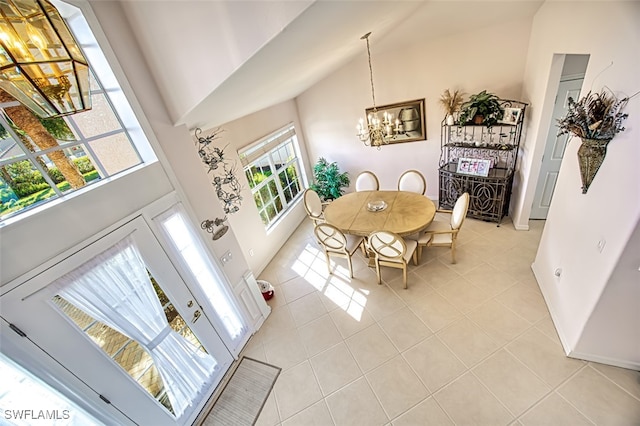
x=274, y=172
x=193, y=256
x=26, y=400
x=85, y=148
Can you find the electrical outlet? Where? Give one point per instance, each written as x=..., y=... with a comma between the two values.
x=226, y=258
x=601, y=245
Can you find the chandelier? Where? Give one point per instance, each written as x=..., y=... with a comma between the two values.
x=41, y=64
x=376, y=131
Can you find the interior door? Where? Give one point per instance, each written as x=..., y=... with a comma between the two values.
x=554, y=150
x=109, y=363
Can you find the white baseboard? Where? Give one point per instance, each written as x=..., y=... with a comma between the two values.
x=605, y=360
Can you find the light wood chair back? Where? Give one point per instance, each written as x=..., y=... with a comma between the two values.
x=313, y=206
x=336, y=243
x=445, y=234
x=413, y=181
x=392, y=250
x=367, y=181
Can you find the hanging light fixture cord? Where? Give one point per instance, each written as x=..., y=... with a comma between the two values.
x=373, y=92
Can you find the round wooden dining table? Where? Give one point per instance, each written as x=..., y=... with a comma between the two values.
x=406, y=212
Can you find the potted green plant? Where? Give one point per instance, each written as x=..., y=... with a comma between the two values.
x=328, y=180
x=482, y=108
x=451, y=103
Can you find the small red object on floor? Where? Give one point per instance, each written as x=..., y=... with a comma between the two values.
x=266, y=288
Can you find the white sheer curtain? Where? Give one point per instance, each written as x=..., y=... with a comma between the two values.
x=114, y=288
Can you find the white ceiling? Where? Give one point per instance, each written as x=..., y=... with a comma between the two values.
x=323, y=37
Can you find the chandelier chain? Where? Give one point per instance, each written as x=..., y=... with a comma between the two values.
x=374, y=130
x=373, y=91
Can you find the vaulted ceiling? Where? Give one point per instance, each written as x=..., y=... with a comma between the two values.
x=215, y=61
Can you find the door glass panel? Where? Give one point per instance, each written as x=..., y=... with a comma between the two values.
x=127, y=353
x=25, y=400
x=200, y=267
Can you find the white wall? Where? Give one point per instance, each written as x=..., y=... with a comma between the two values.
x=33, y=240
x=330, y=110
x=246, y=223
x=575, y=65
x=231, y=31
x=175, y=145
x=609, y=33
x=610, y=336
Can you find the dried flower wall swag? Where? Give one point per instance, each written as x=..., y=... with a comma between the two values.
x=596, y=118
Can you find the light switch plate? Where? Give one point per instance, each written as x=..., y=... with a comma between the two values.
x=226, y=258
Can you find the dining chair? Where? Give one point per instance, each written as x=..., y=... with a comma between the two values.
x=441, y=233
x=413, y=181
x=314, y=206
x=335, y=243
x=392, y=250
x=367, y=181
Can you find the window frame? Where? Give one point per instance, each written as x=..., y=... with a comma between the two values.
x=105, y=83
x=266, y=148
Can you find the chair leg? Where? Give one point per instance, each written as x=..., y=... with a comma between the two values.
x=404, y=275
x=350, y=266
x=378, y=272
x=453, y=253
x=419, y=252
x=415, y=258
x=328, y=262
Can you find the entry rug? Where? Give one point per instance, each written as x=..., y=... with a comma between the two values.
x=242, y=399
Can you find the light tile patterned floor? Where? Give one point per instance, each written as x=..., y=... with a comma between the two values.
x=470, y=343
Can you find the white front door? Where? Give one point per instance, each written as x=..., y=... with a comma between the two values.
x=554, y=150
x=116, y=367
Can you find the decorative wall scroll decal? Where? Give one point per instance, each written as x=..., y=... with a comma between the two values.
x=213, y=227
x=225, y=181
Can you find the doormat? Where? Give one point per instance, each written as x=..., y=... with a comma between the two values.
x=242, y=399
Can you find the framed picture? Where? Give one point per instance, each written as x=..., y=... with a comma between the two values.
x=511, y=116
x=482, y=167
x=474, y=166
x=406, y=119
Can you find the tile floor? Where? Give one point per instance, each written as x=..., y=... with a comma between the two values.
x=470, y=343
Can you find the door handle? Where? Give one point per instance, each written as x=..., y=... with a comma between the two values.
x=196, y=315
